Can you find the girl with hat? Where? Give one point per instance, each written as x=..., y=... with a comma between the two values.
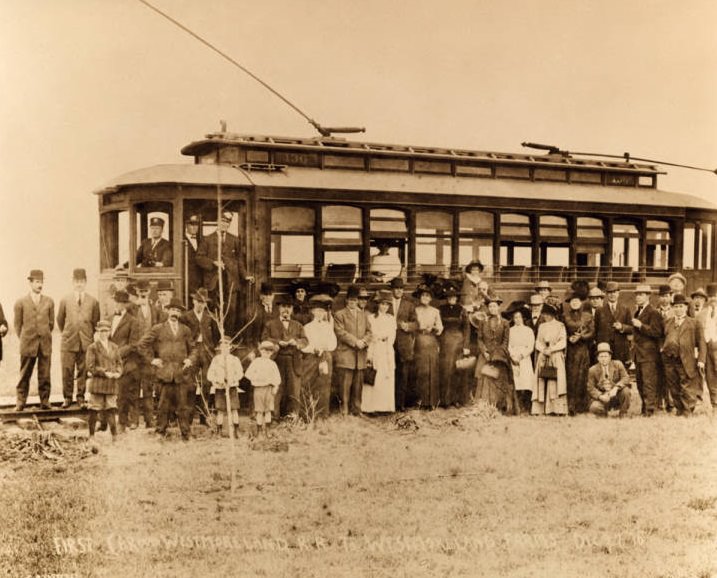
x=493, y=383
x=381, y=356
x=318, y=359
x=550, y=392
x=521, y=345
x=580, y=328
x=453, y=345
x=430, y=327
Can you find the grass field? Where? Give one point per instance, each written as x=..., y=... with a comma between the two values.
x=468, y=493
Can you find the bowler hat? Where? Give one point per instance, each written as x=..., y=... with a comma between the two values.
x=175, y=303
x=79, y=275
x=612, y=286
x=121, y=296
x=679, y=299
x=266, y=288
x=283, y=299
x=699, y=293
x=202, y=295
x=165, y=285
x=604, y=347
x=142, y=285
x=474, y=264
x=156, y=222
x=397, y=283
x=36, y=275
x=664, y=290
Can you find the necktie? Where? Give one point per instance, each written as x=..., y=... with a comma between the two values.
x=79, y=300
x=607, y=373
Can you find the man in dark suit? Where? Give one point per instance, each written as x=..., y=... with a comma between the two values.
x=77, y=317
x=288, y=335
x=613, y=324
x=353, y=334
x=608, y=383
x=34, y=321
x=147, y=316
x=266, y=309
x=229, y=263
x=678, y=354
x=404, y=310
x=125, y=333
x=172, y=352
x=155, y=251
x=206, y=335
x=191, y=244
x=647, y=330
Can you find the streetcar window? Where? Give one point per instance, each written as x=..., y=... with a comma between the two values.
x=114, y=239
x=475, y=229
x=705, y=246
x=341, y=225
x=387, y=221
x=552, y=227
x=590, y=245
x=292, y=242
x=153, y=226
x=658, y=244
x=589, y=228
x=625, y=245
x=688, y=246
x=515, y=240
x=433, y=242
x=514, y=226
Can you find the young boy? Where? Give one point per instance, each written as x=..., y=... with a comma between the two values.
x=226, y=369
x=103, y=366
x=265, y=378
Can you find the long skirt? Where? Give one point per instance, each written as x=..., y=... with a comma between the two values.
x=381, y=396
x=577, y=363
x=554, y=404
x=497, y=391
x=426, y=364
x=316, y=386
x=453, y=382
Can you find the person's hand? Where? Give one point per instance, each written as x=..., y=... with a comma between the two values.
x=466, y=351
x=701, y=367
x=251, y=356
x=274, y=389
x=283, y=343
x=574, y=338
x=187, y=363
x=636, y=323
x=219, y=264
x=605, y=398
x=3, y=330
x=250, y=279
x=613, y=391
x=292, y=342
x=617, y=326
x=157, y=362
x=361, y=344
x=487, y=355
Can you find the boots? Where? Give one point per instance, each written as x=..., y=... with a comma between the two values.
x=92, y=422
x=112, y=420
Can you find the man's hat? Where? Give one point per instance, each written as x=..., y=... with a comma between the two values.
x=679, y=276
x=549, y=309
x=604, y=347
x=36, y=275
x=699, y=293
x=202, y=295
x=384, y=295
x=397, y=283
x=156, y=222
x=352, y=292
x=103, y=325
x=536, y=299
x=643, y=289
x=477, y=264
x=543, y=285
x=664, y=290
x=283, y=299
x=612, y=286
x=165, y=285
x=121, y=296
x=142, y=285
x=266, y=288
x=193, y=220
x=712, y=290
x=680, y=299
x=121, y=272
x=596, y=292
x=79, y=275
x=176, y=304
x=227, y=216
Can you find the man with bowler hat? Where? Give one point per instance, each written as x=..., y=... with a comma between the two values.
x=612, y=325
x=678, y=356
x=647, y=330
x=77, y=317
x=34, y=321
x=155, y=251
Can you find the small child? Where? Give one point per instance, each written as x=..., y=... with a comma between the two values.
x=225, y=369
x=103, y=365
x=265, y=378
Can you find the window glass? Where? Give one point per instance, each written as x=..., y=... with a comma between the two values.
x=387, y=220
x=551, y=226
x=154, y=235
x=114, y=238
x=433, y=223
x=476, y=222
x=589, y=228
x=341, y=217
x=512, y=226
x=292, y=255
x=658, y=231
x=688, y=246
x=293, y=219
x=475, y=249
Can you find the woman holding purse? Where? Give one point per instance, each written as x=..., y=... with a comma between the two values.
x=550, y=392
x=380, y=396
x=493, y=381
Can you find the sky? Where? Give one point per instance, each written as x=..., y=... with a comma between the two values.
x=95, y=88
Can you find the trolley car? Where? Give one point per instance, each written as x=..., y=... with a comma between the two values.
x=321, y=208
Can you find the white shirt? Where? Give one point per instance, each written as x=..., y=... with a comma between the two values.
x=320, y=335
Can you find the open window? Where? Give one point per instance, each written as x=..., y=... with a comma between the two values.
x=659, y=242
x=475, y=242
x=388, y=240
x=625, y=246
x=114, y=239
x=292, y=241
x=153, y=226
x=515, y=240
x=434, y=231
x=341, y=239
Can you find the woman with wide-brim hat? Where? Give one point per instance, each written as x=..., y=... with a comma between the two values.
x=550, y=393
x=493, y=383
x=580, y=329
x=473, y=287
x=521, y=345
x=454, y=342
x=381, y=397
x=430, y=327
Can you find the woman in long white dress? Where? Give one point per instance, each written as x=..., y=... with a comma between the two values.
x=550, y=396
x=380, y=397
x=521, y=344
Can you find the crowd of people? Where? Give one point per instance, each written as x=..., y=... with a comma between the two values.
x=449, y=343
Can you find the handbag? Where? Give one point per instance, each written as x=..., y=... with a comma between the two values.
x=369, y=375
x=490, y=370
x=466, y=363
x=548, y=370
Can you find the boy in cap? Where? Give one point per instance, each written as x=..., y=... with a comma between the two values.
x=226, y=371
x=104, y=367
x=263, y=373
x=678, y=356
x=608, y=384
x=34, y=321
x=77, y=317
x=155, y=251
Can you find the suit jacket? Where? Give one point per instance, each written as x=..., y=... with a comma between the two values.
x=145, y=322
x=350, y=327
x=34, y=324
x=3, y=329
x=207, y=252
x=194, y=271
x=205, y=329
x=596, y=382
x=405, y=340
x=161, y=342
x=126, y=336
x=274, y=331
x=687, y=340
x=160, y=256
x=77, y=322
x=98, y=361
x=606, y=333
x=646, y=339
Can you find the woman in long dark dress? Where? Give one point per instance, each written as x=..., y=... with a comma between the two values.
x=453, y=343
x=426, y=348
x=580, y=329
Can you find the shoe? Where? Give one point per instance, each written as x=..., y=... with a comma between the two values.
x=133, y=426
x=45, y=405
x=67, y=403
x=102, y=427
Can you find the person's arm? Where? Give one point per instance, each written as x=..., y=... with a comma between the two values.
x=18, y=317
x=624, y=379
x=92, y=363
x=593, y=381
x=167, y=255
x=146, y=344
x=562, y=341
x=342, y=334
x=588, y=332
x=301, y=341
x=51, y=315
x=438, y=323
x=61, y=314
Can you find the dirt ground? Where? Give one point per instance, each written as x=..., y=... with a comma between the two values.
x=446, y=493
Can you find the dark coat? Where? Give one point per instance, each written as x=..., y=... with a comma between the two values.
x=207, y=252
x=98, y=361
x=260, y=321
x=204, y=328
x=606, y=333
x=405, y=340
x=493, y=339
x=194, y=271
x=350, y=327
x=34, y=325
x=274, y=331
x=688, y=339
x=160, y=256
x=126, y=337
x=77, y=322
x=647, y=338
x=161, y=342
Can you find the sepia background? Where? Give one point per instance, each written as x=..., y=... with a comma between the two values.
x=92, y=89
